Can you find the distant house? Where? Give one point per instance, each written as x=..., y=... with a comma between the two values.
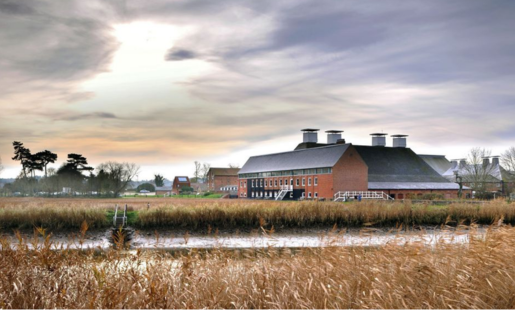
x=179, y=183
x=164, y=190
x=219, y=179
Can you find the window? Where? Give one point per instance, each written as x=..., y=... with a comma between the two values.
x=276, y=182
x=252, y=194
x=285, y=181
x=281, y=182
x=266, y=183
x=245, y=184
x=309, y=195
x=309, y=181
x=291, y=194
x=303, y=182
x=253, y=183
x=297, y=182
x=261, y=183
x=275, y=194
x=241, y=183
x=316, y=181
x=303, y=195
x=291, y=182
x=316, y=195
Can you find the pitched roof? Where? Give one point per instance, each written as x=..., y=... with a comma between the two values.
x=224, y=171
x=321, y=157
x=438, y=162
x=397, y=164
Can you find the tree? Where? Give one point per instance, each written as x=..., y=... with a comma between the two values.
x=46, y=158
x=118, y=175
x=146, y=186
x=35, y=162
x=159, y=180
x=477, y=173
x=234, y=165
x=23, y=155
x=204, y=171
x=78, y=162
x=508, y=161
x=197, y=172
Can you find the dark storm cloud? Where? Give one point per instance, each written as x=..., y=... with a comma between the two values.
x=180, y=54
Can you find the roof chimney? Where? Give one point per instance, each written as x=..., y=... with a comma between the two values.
x=495, y=160
x=310, y=135
x=333, y=136
x=486, y=161
x=463, y=163
x=340, y=141
x=378, y=139
x=399, y=140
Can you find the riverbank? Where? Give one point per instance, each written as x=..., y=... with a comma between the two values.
x=205, y=216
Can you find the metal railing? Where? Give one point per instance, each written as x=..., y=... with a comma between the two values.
x=120, y=220
x=284, y=190
x=344, y=196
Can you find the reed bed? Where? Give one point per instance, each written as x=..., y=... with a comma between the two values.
x=479, y=274
x=203, y=215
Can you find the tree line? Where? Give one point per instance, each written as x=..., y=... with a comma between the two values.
x=73, y=177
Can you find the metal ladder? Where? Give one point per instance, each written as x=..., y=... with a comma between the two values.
x=120, y=220
x=344, y=196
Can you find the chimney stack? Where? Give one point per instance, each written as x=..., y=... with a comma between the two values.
x=463, y=163
x=399, y=140
x=495, y=160
x=333, y=136
x=378, y=139
x=486, y=161
x=310, y=135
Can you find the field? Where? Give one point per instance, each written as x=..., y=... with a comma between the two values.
x=200, y=215
x=479, y=274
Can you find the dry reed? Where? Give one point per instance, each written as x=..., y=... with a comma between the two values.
x=479, y=274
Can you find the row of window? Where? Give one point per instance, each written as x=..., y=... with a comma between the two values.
x=229, y=188
x=286, y=172
x=274, y=194
x=273, y=183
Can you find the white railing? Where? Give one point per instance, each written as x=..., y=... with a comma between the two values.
x=284, y=190
x=345, y=196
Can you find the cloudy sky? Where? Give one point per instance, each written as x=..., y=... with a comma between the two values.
x=163, y=83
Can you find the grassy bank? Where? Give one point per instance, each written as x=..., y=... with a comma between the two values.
x=199, y=214
x=475, y=275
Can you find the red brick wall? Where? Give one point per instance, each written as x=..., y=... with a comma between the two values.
x=350, y=173
x=415, y=194
x=222, y=180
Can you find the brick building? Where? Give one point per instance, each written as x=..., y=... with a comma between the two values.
x=315, y=170
x=179, y=183
x=221, y=179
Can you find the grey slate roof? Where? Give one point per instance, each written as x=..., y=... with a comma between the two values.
x=320, y=157
x=438, y=162
x=413, y=185
x=388, y=164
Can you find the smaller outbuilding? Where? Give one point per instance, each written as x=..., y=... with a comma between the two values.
x=179, y=183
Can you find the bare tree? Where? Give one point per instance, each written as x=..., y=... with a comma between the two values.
x=119, y=175
x=508, y=161
x=197, y=173
x=204, y=171
x=234, y=165
x=479, y=172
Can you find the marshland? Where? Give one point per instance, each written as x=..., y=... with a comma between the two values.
x=389, y=262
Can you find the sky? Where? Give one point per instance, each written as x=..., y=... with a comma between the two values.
x=164, y=83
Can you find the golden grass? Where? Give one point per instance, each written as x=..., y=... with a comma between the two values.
x=199, y=214
x=480, y=274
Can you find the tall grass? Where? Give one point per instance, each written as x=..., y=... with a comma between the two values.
x=199, y=214
x=480, y=274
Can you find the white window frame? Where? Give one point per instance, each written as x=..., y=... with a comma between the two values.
x=316, y=181
x=303, y=194
x=275, y=182
x=316, y=194
x=303, y=181
x=309, y=194
x=297, y=182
